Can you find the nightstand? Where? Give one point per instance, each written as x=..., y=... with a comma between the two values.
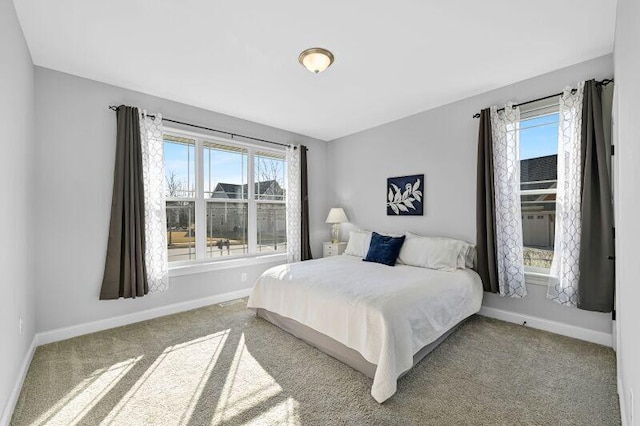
x=333, y=249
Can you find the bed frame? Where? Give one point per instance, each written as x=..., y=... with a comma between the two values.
x=336, y=349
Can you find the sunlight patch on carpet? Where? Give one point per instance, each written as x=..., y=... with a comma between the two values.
x=167, y=393
x=87, y=394
x=247, y=386
x=284, y=413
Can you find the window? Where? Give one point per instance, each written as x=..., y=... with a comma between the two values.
x=270, y=172
x=179, y=164
x=538, y=140
x=224, y=199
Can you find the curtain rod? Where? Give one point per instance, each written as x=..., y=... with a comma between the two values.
x=115, y=108
x=599, y=83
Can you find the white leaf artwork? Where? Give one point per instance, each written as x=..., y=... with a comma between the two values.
x=404, y=201
x=398, y=196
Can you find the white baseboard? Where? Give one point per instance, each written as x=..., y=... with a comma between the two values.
x=563, y=329
x=94, y=326
x=17, y=387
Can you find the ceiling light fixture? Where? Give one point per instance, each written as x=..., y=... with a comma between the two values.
x=316, y=59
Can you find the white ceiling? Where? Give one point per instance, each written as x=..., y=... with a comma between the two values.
x=239, y=57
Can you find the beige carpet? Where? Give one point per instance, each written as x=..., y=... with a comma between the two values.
x=223, y=365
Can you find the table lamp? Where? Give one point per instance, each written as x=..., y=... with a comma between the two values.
x=336, y=217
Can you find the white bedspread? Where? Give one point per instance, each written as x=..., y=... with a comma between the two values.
x=385, y=313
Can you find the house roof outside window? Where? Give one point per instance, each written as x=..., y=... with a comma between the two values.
x=235, y=191
x=539, y=173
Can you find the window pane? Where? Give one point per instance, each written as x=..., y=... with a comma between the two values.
x=539, y=136
x=181, y=230
x=539, y=152
x=227, y=229
x=270, y=172
x=538, y=232
x=539, y=171
x=179, y=166
x=225, y=171
x=272, y=230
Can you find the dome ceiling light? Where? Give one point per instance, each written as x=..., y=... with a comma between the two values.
x=316, y=59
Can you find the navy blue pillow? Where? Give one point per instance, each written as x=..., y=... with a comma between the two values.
x=384, y=249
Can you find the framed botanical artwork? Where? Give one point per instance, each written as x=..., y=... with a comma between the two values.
x=405, y=195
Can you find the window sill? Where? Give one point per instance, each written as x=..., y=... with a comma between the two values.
x=537, y=278
x=208, y=266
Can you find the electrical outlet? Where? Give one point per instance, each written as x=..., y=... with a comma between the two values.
x=20, y=326
x=243, y=277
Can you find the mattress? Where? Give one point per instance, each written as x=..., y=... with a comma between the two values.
x=385, y=314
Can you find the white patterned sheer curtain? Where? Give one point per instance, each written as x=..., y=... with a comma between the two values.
x=565, y=271
x=155, y=215
x=294, y=205
x=508, y=217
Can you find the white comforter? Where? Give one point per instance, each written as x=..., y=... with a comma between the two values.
x=385, y=313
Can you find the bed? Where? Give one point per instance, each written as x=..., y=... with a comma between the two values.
x=378, y=319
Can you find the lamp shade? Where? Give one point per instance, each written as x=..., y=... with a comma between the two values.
x=337, y=215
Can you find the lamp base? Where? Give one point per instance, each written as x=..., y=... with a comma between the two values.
x=335, y=233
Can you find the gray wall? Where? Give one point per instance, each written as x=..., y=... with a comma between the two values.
x=16, y=142
x=442, y=144
x=75, y=137
x=627, y=139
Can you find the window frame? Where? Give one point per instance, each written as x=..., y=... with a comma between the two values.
x=537, y=275
x=181, y=267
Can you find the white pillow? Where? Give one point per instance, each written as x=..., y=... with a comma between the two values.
x=470, y=258
x=358, y=244
x=436, y=253
x=467, y=255
x=432, y=253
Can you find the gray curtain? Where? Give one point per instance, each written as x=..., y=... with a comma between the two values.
x=485, y=219
x=596, y=285
x=124, y=271
x=304, y=195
